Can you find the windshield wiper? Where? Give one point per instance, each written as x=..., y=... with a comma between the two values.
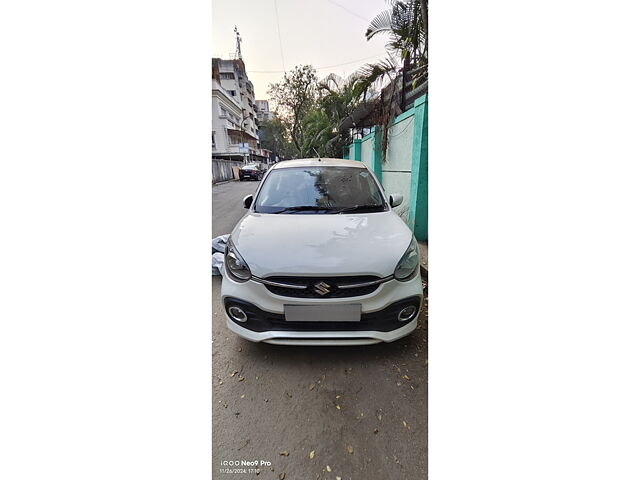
x=301, y=208
x=357, y=208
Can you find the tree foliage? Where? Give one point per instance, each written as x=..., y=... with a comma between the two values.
x=294, y=97
x=311, y=112
x=273, y=137
x=405, y=24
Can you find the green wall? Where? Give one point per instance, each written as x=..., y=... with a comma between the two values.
x=405, y=168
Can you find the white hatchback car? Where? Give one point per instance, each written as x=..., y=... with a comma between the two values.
x=321, y=259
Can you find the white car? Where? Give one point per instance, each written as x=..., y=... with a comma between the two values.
x=321, y=259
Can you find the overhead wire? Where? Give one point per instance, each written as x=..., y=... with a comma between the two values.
x=275, y=4
x=318, y=68
x=349, y=11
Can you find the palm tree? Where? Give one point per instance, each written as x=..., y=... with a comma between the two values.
x=337, y=99
x=405, y=23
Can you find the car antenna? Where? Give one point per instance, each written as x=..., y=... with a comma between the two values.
x=317, y=154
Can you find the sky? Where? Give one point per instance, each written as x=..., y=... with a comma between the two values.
x=328, y=34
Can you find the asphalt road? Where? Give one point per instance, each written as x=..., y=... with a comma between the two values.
x=349, y=413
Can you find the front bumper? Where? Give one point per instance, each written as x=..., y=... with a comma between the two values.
x=266, y=322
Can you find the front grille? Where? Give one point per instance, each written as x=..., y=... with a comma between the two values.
x=314, y=286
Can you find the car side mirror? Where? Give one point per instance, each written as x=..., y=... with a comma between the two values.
x=247, y=201
x=395, y=199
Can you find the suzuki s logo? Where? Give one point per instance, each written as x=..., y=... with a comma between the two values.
x=321, y=288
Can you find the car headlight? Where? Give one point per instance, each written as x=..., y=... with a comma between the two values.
x=408, y=264
x=235, y=265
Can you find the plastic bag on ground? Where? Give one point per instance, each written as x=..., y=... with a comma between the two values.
x=219, y=244
x=217, y=263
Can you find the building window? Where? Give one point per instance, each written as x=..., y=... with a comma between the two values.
x=232, y=92
x=227, y=75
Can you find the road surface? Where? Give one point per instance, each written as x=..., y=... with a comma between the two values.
x=354, y=413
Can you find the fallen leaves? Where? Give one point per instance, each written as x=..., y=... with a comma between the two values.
x=241, y=378
x=350, y=449
x=281, y=476
x=285, y=454
x=233, y=374
x=328, y=468
x=312, y=386
x=312, y=454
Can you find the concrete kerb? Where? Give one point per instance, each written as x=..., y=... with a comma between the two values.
x=222, y=183
x=424, y=259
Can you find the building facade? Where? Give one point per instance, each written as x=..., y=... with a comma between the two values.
x=234, y=132
x=264, y=113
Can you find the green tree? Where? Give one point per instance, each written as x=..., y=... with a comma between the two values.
x=338, y=99
x=405, y=24
x=273, y=136
x=294, y=97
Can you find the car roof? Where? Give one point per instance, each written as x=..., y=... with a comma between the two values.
x=314, y=162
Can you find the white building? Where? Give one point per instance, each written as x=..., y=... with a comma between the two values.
x=263, y=110
x=234, y=129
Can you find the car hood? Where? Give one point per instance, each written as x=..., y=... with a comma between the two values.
x=311, y=245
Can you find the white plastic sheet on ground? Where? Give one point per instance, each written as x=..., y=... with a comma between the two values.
x=218, y=246
x=217, y=263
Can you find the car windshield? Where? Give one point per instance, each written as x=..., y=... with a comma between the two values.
x=319, y=190
x=250, y=167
